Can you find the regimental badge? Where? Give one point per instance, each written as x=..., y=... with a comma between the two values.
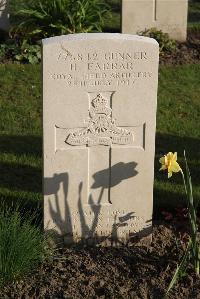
x=101, y=128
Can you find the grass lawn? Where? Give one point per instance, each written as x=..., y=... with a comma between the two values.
x=194, y=15
x=178, y=128
x=20, y=137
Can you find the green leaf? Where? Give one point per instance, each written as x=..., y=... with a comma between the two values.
x=180, y=270
x=45, y=18
x=18, y=57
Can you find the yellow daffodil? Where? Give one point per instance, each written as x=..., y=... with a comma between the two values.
x=169, y=162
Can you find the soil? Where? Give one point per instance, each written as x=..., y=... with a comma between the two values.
x=138, y=272
x=185, y=53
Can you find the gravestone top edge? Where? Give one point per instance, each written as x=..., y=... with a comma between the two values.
x=98, y=36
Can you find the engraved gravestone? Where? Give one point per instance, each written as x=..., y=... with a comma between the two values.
x=4, y=15
x=99, y=117
x=170, y=16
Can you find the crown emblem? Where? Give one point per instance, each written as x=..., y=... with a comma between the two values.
x=100, y=106
x=99, y=101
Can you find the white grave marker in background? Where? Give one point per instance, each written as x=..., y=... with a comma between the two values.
x=170, y=16
x=4, y=15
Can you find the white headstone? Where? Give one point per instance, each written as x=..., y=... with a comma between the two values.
x=4, y=15
x=99, y=119
x=170, y=16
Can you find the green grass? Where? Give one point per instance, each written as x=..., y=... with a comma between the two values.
x=22, y=247
x=194, y=16
x=178, y=128
x=20, y=137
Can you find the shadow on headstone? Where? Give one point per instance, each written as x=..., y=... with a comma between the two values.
x=86, y=230
x=52, y=186
x=118, y=172
x=110, y=177
x=121, y=171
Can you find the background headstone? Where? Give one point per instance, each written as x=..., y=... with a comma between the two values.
x=99, y=118
x=170, y=16
x=4, y=15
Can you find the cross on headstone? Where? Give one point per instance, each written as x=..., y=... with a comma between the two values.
x=101, y=130
x=155, y=10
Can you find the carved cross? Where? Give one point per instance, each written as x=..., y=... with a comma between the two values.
x=155, y=7
x=98, y=137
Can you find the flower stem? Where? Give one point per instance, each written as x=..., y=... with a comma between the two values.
x=183, y=176
x=193, y=224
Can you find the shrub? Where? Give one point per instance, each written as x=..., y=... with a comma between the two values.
x=194, y=28
x=29, y=53
x=3, y=34
x=165, y=43
x=22, y=245
x=44, y=18
x=2, y=52
x=24, y=53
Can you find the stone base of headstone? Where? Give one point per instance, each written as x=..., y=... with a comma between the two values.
x=107, y=241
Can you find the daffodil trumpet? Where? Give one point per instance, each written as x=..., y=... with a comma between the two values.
x=169, y=163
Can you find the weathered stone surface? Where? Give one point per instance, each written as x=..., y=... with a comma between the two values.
x=4, y=15
x=170, y=16
x=99, y=117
